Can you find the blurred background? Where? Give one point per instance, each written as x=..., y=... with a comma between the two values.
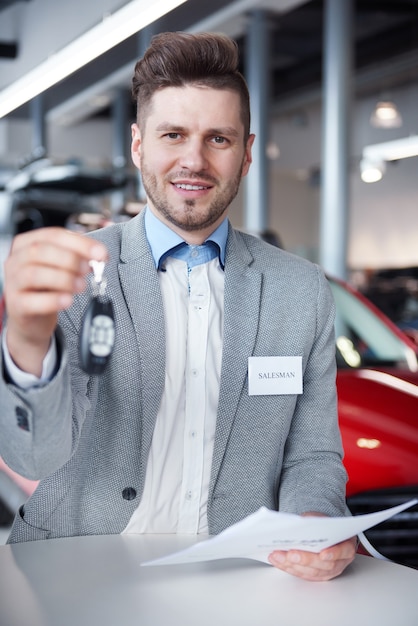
x=298, y=68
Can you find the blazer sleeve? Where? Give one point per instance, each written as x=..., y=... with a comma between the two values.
x=312, y=463
x=36, y=424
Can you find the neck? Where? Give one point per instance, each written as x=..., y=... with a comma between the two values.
x=192, y=237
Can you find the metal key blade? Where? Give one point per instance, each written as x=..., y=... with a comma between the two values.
x=99, y=283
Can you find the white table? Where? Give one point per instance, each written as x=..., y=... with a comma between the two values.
x=98, y=581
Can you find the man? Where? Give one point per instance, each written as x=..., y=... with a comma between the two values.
x=177, y=435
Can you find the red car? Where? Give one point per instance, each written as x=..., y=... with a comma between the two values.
x=378, y=411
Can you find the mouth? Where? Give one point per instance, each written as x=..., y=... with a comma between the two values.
x=189, y=187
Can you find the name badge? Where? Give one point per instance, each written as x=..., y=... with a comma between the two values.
x=274, y=375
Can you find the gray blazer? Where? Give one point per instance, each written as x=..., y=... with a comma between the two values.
x=88, y=439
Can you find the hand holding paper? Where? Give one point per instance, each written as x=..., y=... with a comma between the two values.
x=259, y=534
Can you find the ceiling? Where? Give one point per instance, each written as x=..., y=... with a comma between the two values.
x=385, y=48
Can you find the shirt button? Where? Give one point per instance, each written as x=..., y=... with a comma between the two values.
x=129, y=493
x=189, y=495
x=195, y=373
x=194, y=253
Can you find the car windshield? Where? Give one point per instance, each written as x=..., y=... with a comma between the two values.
x=363, y=339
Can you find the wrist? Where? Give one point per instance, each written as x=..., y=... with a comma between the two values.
x=25, y=352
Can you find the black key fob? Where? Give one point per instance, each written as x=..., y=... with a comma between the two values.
x=97, y=335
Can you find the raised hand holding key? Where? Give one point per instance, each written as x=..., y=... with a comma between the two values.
x=44, y=270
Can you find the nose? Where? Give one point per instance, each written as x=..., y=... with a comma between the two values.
x=194, y=155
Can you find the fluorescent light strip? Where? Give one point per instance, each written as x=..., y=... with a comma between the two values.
x=79, y=107
x=114, y=29
x=392, y=150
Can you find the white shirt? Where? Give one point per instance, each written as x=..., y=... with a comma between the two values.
x=179, y=464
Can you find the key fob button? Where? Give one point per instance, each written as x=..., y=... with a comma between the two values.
x=97, y=336
x=102, y=335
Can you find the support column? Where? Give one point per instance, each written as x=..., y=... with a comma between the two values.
x=119, y=146
x=258, y=79
x=120, y=132
x=38, y=127
x=337, y=71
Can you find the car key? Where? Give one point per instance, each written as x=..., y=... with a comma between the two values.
x=97, y=335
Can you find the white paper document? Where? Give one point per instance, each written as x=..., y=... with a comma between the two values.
x=259, y=534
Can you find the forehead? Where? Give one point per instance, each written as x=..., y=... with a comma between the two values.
x=196, y=105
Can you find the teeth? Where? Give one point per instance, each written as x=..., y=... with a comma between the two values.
x=190, y=187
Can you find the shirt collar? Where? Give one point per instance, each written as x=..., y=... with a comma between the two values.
x=162, y=239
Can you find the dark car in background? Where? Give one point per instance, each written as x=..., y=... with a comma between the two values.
x=395, y=292
x=377, y=385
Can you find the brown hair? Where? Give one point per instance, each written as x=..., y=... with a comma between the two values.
x=179, y=59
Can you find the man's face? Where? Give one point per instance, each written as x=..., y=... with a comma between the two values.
x=191, y=154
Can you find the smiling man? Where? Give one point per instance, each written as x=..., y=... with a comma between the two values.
x=179, y=434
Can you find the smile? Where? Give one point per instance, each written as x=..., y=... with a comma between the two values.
x=190, y=187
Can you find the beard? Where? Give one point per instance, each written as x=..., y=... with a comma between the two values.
x=189, y=215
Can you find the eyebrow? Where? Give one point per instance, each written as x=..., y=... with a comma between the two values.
x=226, y=130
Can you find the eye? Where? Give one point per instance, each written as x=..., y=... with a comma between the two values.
x=173, y=135
x=220, y=140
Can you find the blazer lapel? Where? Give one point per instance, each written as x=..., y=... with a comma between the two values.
x=241, y=314
x=141, y=288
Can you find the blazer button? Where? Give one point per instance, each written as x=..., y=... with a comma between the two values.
x=129, y=493
x=22, y=418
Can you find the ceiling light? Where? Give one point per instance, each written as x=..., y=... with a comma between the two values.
x=371, y=171
x=272, y=151
x=114, y=29
x=386, y=115
x=392, y=150
x=372, y=164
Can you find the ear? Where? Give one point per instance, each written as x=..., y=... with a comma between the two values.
x=248, y=156
x=136, y=145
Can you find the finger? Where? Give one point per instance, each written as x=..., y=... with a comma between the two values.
x=309, y=572
x=315, y=574
x=47, y=254
x=291, y=565
x=39, y=241
x=44, y=278
x=38, y=304
x=299, y=559
x=343, y=550
x=308, y=565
